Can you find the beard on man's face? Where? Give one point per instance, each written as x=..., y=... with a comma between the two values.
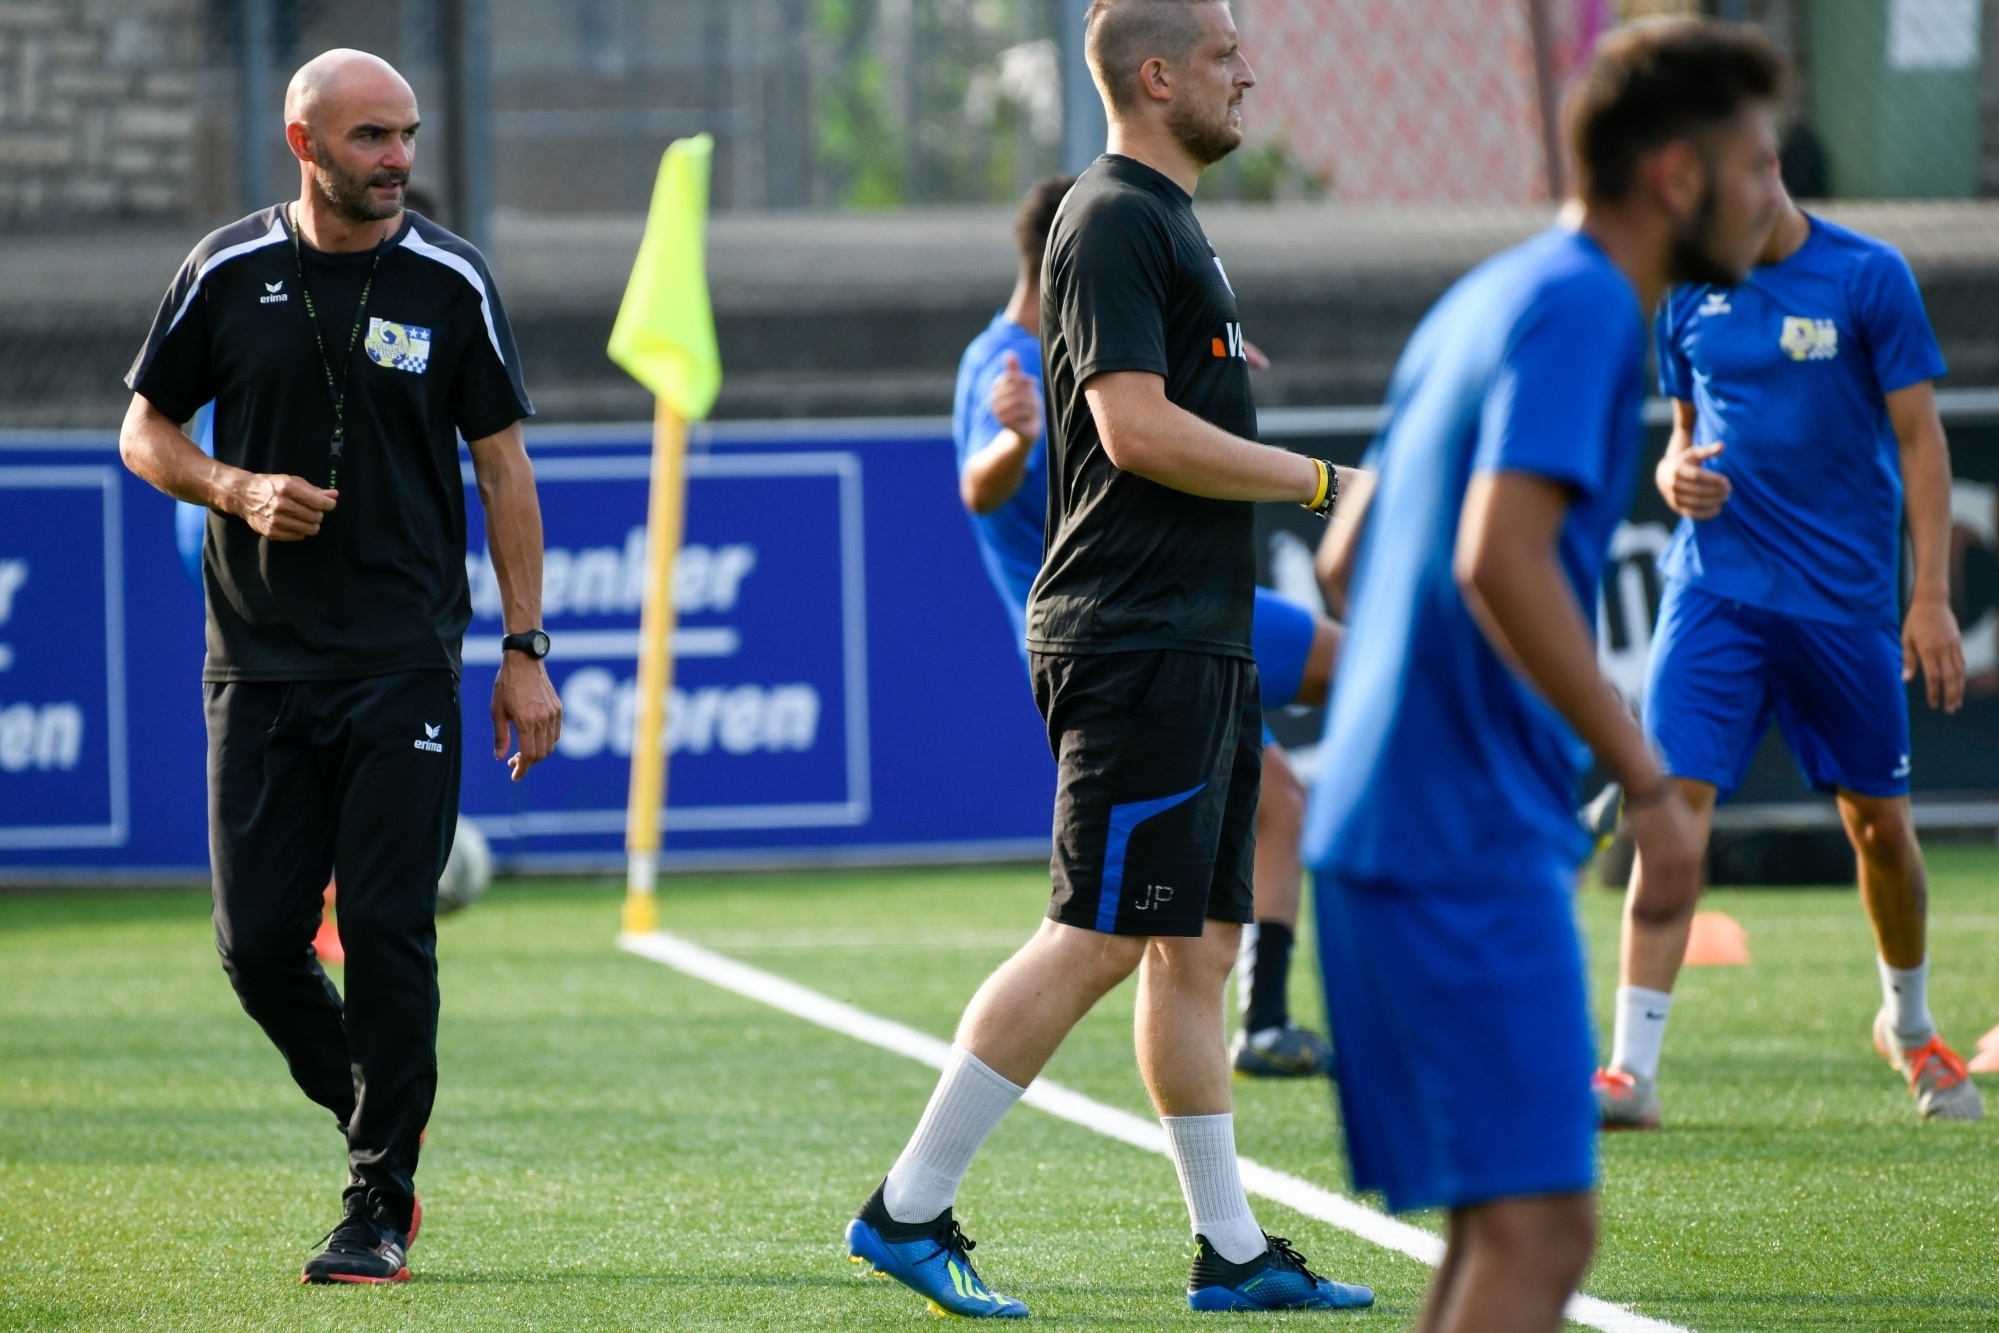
x=1207, y=136
x=349, y=194
x=1694, y=258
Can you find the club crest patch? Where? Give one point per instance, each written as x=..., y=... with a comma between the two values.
x=1809, y=339
x=398, y=346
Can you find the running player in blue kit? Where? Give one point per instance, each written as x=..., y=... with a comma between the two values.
x=1805, y=428
x=1445, y=836
x=997, y=424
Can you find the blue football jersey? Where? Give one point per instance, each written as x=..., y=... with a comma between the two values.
x=1448, y=768
x=1010, y=538
x=1788, y=371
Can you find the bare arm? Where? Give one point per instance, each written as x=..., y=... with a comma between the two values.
x=1512, y=581
x=522, y=692
x=992, y=475
x=1146, y=435
x=1333, y=562
x=1930, y=639
x=1688, y=487
x=282, y=508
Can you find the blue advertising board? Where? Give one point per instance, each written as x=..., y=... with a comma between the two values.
x=63, y=776
x=844, y=685
x=845, y=688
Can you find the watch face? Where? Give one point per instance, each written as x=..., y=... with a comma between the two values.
x=538, y=643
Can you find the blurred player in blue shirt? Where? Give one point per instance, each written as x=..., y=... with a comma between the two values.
x=1444, y=834
x=996, y=422
x=1805, y=428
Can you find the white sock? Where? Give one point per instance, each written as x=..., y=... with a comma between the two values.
x=1641, y=1030
x=969, y=1101
x=1906, y=992
x=1203, y=1150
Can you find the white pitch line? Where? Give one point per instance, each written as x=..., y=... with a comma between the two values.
x=1067, y=1104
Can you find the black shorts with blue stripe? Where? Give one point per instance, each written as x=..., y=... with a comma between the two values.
x=1160, y=756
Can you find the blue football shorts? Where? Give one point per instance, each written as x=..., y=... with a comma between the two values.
x=1721, y=670
x=1281, y=637
x=1462, y=1034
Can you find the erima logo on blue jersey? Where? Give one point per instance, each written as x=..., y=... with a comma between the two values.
x=1715, y=304
x=274, y=292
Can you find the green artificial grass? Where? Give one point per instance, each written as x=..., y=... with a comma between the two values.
x=619, y=1147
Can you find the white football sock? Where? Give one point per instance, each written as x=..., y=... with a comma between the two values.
x=1641, y=1030
x=1203, y=1151
x=1906, y=992
x=969, y=1101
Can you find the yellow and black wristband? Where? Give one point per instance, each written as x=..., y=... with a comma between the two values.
x=1328, y=494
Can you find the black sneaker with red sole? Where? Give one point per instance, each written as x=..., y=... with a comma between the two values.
x=365, y=1248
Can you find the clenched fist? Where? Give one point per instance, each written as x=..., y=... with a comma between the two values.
x=1016, y=401
x=1689, y=488
x=282, y=508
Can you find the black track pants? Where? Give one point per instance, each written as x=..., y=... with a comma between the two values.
x=359, y=779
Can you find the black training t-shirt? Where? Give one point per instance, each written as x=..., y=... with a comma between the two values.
x=381, y=588
x=1131, y=283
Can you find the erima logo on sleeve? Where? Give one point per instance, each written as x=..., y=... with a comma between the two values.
x=274, y=292
x=1809, y=339
x=429, y=741
x=398, y=346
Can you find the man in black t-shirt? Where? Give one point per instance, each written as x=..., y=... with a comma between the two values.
x=1138, y=628
x=346, y=344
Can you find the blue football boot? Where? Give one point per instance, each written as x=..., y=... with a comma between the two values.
x=1277, y=1279
x=930, y=1258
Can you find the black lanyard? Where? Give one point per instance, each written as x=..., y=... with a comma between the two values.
x=338, y=392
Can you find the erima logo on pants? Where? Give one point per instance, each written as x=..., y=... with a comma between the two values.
x=429, y=739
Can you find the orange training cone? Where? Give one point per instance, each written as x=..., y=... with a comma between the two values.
x=327, y=942
x=1717, y=941
x=1987, y=1059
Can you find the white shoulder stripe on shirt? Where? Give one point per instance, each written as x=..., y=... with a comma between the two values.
x=418, y=245
x=277, y=235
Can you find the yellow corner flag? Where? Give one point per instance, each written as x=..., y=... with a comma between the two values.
x=665, y=334
x=665, y=339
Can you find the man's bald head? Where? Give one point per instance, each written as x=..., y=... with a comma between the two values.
x=351, y=121
x=343, y=77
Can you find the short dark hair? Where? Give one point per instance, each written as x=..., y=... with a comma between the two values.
x=1119, y=36
x=1660, y=80
x=1036, y=217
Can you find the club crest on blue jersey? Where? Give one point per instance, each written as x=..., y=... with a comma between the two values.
x=1809, y=339
x=398, y=346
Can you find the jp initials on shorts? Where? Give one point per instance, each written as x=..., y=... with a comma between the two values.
x=1159, y=760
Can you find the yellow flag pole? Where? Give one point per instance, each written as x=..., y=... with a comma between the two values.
x=665, y=513
x=664, y=337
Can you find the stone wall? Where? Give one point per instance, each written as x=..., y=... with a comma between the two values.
x=98, y=107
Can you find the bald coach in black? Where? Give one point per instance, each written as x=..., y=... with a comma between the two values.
x=347, y=345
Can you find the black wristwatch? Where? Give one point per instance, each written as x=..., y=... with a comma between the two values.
x=532, y=642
